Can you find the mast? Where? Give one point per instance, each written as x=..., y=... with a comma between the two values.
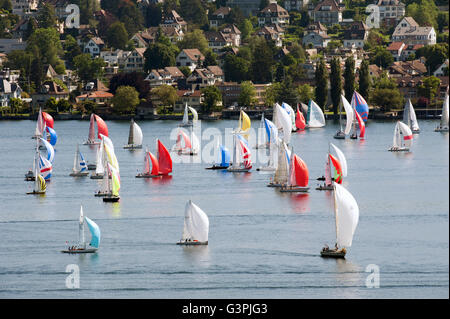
x=335, y=212
x=81, y=238
x=131, y=133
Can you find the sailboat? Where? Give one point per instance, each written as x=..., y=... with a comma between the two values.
x=290, y=111
x=113, y=186
x=134, y=137
x=298, y=176
x=196, y=226
x=314, y=117
x=186, y=145
x=300, y=121
x=40, y=126
x=81, y=247
x=338, y=171
x=110, y=165
x=272, y=137
x=79, y=165
x=100, y=162
x=362, y=127
x=102, y=129
x=186, y=121
x=349, y=114
x=360, y=105
x=50, y=135
x=241, y=156
x=39, y=186
x=346, y=215
x=282, y=171
x=403, y=138
x=409, y=117
x=443, y=125
x=223, y=158
x=149, y=157
x=283, y=122
x=262, y=136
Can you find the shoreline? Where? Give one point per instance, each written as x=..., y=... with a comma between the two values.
x=226, y=115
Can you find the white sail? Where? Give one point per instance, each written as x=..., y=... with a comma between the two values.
x=194, y=115
x=315, y=115
x=40, y=125
x=275, y=117
x=281, y=173
x=195, y=143
x=350, y=116
x=346, y=215
x=100, y=169
x=185, y=115
x=81, y=237
x=285, y=122
x=262, y=135
x=409, y=116
x=445, y=112
x=407, y=134
x=397, y=141
x=341, y=158
x=137, y=135
x=291, y=113
x=196, y=223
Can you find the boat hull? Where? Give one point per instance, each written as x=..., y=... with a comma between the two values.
x=274, y=185
x=99, y=194
x=354, y=137
x=91, y=143
x=192, y=243
x=92, y=167
x=294, y=189
x=398, y=149
x=132, y=147
x=79, y=251
x=332, y=254
x=217, y=167
x=35, y=193
x=441, y=129
x=111, y=199
x=266, y=169
x=79, y=174
x=339, y=135
x=141, y=175
x=325, y=188
x=238, y=170
x=95, y=176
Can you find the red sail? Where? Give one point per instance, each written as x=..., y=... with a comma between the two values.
x=164, y=159
x=102, y=128
x=338, y=168
x=246, y=155
x=301, y=172
x=362, y=126
x=300, y=120
x=187, y=141
x=48, y=119
x=155, y=164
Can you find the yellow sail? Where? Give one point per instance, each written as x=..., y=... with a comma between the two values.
x=42, y=184
x=111, y=157
x=115, y=184
x=245, y=124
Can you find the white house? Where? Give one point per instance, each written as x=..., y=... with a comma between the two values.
x=440, y=70
x=409, y=32
x=8, y=90
x=94, y=46
x=190, y=58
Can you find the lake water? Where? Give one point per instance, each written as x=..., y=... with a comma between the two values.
x=262, y=243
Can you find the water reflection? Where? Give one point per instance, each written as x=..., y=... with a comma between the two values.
x=113, y=209
x=197, y=255
x=300, y=203
x=348, y=274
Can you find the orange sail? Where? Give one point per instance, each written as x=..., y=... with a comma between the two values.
x=301, y=172
x=300, y=120
x=164, y=159
x=155, y=164
x=362, y=126
x=48, y=119
x=102, y=128
x=338, y=168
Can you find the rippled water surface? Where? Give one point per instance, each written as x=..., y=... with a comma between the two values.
x=262, y=244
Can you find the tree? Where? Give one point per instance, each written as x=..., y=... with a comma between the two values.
x=429, y=87
x=167, y=94
x=46, y=44
x=247, y=97
x=37, y=72
x=385, y=94
x=125, y=100
x=381, y=57
x=305, y=93
x=71, y=48
x=6, y=5
x=158, y=56
x=194, y=40
x=117, y=36
x=47, y=16
x=272, y=93
x=434, y=54
x=262, y=62
x=193, y=11
x=336, y=84
x=236, y=68
x=152, y=15
x=211, y=98
x=364, y=80
x=321, y=90
x=210, y=59
x=88, y=69
x=246, y=28
x=134, y=79
x=185, y=70
x=349, y=78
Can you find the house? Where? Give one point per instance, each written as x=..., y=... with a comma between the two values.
x=8, y=45
x=60, y=8
x=356, y=35
x=407, y=68
x=218, y=17
x=217, y=40
x=190, y=58
x=396, y=49
x=135, y=60
x=114, y=57
x=173, y=33
x=98, y=97
x=193, y=98
x=173, y=19
x=408, y=86
x=410, y=51
x=170, y=75
x=409, y=32
x=94, y=46
x=375, y=71
x=231, y=91
x=49, y=89
x=295, y=5
x=247, y=7
x=274, y=33
x=232, y=32
x=142, y=39
x=391, y=11
x=8, y=90
x=200, y=78
x=316, y=36
x=327, y=12
x=20, y=29
x=273, y=14
x=442, y=70
x=24, y=7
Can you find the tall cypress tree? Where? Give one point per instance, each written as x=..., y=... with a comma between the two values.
x=336, y=84
x=349, y=78
x=364, y=80
x=321, y=84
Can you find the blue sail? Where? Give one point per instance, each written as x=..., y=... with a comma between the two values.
x=53, y=135
x=50, y=150
x=95, y=232
x=82, y=163
x=225, y=156
x=242, y=139
x=360, y=105
x=287, y=107
x=272, y=131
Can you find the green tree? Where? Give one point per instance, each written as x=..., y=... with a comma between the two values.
x=336, y=84
x=158, y=56
x=125, y=100
x=381, y=57
x=385, y=94
x=349, y=78
x=429, y=87
x=210, y=58
x=305, y=92
x=247, y=97
x=88, y=69
x=37, y=72
x=211, y=99
x=193, y=11
x=262, y=63
x=434, y=54
x=194, y=40
x=167, y=94
x=185, y=70
x=246, y=29
x=46, y=44
x=364, y=80
x=321, y=90
x=47, y=16
x=236, y=69
x=117, y=36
